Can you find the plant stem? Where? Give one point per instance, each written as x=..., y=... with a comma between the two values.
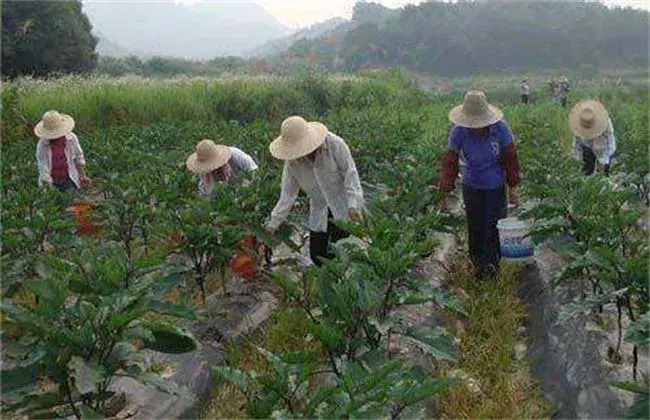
x=620, y=327
x=310, y=314
x=75, y=410
x=332, y=361
x=388, y=336
x=383, y=309
x=635, y=350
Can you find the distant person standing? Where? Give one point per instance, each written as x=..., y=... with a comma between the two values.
x=563, y=90
x=593, y=135
x=525, y=91
x=60, y=159
x=553, y=90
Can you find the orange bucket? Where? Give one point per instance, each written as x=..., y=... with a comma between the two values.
x=243, y=263
x=85, y=225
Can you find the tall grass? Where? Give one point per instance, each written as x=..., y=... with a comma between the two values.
x=98, y=102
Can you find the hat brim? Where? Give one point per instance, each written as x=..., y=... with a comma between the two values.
x=312, y=140
x=601, y=119
x=458, y=117
x=221, y=158
x=66, y=127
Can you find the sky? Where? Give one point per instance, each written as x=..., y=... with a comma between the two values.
x=300, y=13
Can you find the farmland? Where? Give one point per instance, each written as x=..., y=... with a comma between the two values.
x=79, y=310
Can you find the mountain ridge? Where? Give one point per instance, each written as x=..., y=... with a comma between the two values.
x=201, y=31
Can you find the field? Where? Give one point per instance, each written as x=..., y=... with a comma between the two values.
x=78, y=308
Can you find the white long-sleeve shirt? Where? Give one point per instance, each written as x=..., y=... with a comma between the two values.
x=73, y=153
x=603, y=146
x=331, y=181
x=239, y=162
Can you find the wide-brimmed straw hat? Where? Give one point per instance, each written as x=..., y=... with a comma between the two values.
x=54, y=125
x=475, y=112
x=208, y=157
x=297, y=138
x=588, y=119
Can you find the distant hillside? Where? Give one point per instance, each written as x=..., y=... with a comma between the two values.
x=465, y=38
x=282, y=44
x=329, y=31
x=203, y=30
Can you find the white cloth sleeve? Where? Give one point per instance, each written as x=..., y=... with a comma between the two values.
x=287, y=198
x=351, y=181
x=79, y=157
x=43, y=162
x=243, y=160
x=576, y=151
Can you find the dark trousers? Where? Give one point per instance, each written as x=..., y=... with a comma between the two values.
x=65, y=185
x=589, y=160
x=320, y=242
x=524, y=99
x=563, y=101
x=483, y=209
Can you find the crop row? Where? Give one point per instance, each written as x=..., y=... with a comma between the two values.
x=101, y=290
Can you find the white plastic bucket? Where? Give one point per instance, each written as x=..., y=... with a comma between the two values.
x=515, y=246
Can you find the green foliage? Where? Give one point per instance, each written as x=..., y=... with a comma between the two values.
x=209, y=235
x=44, y=37
x=81, y=333
x=454, y=38
x=169, y=67
x=350, y=301
x=594, y=222
x=373, y=387
x=137, y=134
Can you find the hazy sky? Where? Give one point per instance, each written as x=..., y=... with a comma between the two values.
x=298, y=13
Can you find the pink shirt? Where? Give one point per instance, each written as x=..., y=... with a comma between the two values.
x=59, y=171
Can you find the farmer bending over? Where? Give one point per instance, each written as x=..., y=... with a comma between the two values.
x=485, y=142
x=218, y=163
x=593, y=135
x=320, y=163
x=525, y=92
x=59, y=156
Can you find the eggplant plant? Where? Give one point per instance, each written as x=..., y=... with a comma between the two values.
x=33, y=220
x=208, y=237
x=128, y=218
x=349, y=302
x=374, y=386
x=85, y=331
x=606, y=249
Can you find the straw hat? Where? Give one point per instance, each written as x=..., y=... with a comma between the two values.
x=475, y=112
x=208, y=157
x=588, y=119
x=298, y=138
x=54, y=125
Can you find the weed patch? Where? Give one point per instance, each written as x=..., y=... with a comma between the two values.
x=494, y=384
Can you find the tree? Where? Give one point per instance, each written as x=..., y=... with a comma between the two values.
x=44, y=37
x=469, y=37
